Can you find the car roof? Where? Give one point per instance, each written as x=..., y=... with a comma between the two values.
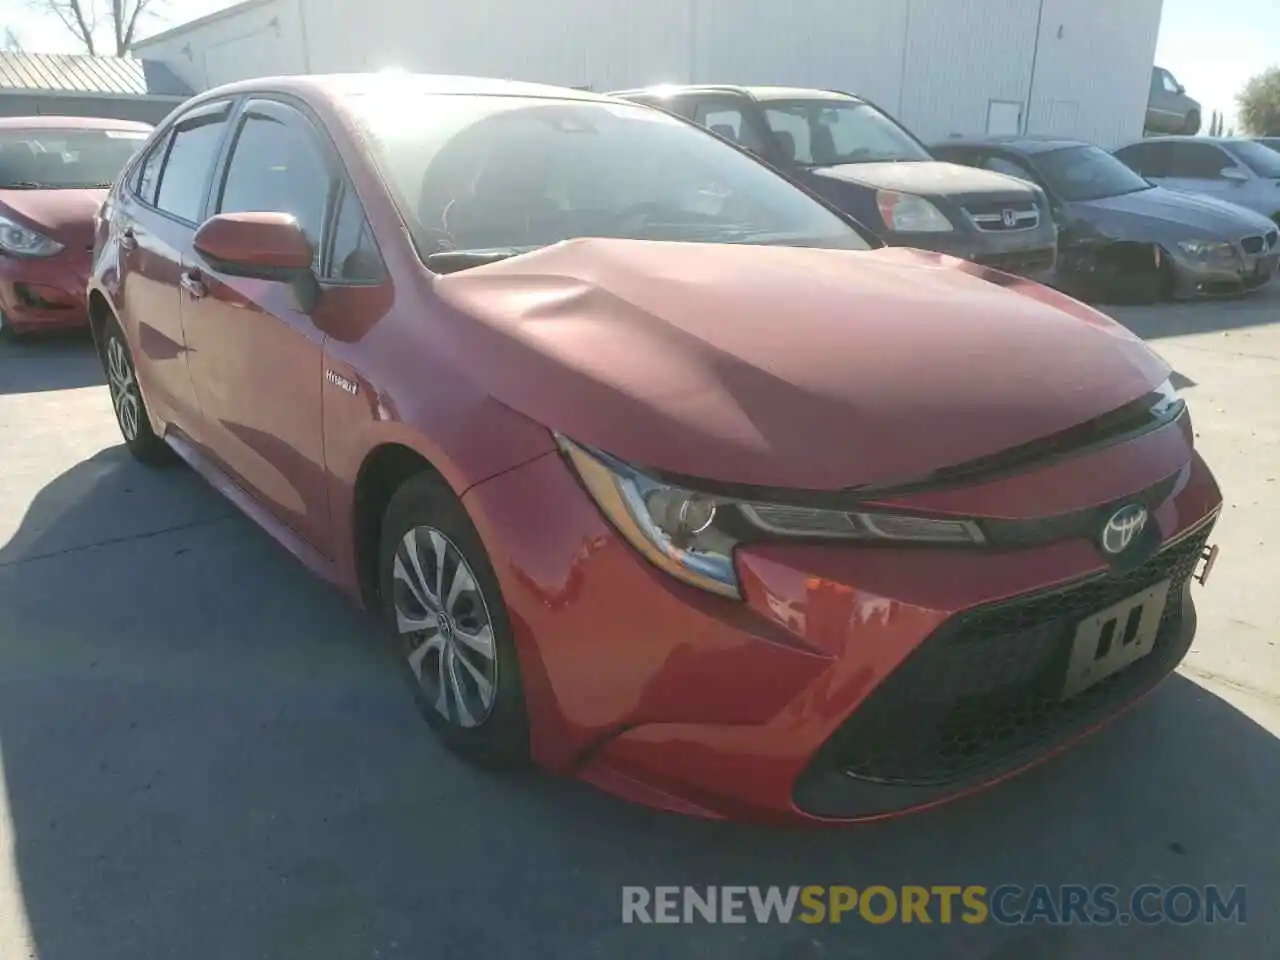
x=755, y=92
x=70, y=123
x=1173, y=138
x=1026, y=144
x=337, y=86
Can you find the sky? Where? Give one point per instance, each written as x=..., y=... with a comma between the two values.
x=1211, y=49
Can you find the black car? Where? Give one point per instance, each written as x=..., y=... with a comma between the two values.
x=1120, y=235
x=865, y=163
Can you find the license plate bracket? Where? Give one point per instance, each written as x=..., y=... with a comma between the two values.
x=1111, y=639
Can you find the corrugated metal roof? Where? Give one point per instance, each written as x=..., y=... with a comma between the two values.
x=82, y=73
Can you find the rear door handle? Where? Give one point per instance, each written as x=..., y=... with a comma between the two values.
x=192, y=283
x=128, y=240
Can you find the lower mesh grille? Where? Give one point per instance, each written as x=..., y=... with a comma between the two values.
x=987, y=687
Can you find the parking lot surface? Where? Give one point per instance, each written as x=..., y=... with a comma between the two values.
x=206, y=753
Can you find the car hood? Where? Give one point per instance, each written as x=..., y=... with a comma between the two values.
x=1158, y=214
x=64, y=215
x=931, y=178
x=786, y=367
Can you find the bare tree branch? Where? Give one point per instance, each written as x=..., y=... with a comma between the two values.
x=80, y=17
x=12, y=43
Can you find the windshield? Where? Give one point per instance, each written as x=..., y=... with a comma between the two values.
x=65, y=159
x=1262, y=160
x=500, y=172
x=824, y=133
x=1087, y=173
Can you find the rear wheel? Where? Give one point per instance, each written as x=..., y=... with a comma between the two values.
x=1191, y=126
x=126, y=399
x=441, y=597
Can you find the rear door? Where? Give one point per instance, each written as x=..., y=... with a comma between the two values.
x=153, y=226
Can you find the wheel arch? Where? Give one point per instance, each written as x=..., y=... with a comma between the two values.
x=383, y=471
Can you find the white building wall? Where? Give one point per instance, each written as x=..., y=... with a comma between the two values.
x=937, y=64
x=251, y=40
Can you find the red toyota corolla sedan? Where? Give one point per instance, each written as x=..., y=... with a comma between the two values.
x=54, y=174
x=660, y=471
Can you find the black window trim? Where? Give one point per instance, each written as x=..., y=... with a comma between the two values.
x=287, y=109
x=345, y=188
x=217, y=110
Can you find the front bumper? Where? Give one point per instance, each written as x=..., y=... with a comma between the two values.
x=45, y=293
x=1025, y=253
x=852, y=682
x=1245, y=272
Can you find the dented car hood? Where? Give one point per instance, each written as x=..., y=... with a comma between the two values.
x=782, y=366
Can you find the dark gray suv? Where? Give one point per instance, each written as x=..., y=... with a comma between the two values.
x=862, y=161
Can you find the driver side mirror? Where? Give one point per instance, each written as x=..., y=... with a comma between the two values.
x=1234, y=174
x=264, y=246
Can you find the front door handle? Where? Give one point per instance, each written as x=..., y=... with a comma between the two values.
x=192, y=283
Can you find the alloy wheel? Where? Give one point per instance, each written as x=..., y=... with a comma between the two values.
x=125, y=397
x=445, y=627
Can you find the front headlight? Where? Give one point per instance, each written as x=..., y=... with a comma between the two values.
x=1166, y=401
x=907, y=213
x=692, y=535
x=1207, y=249
x=20, y=241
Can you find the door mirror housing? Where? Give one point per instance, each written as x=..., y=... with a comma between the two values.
x=264, y=246
x=1234, y=174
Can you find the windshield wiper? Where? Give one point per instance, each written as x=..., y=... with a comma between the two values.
x=451, y=261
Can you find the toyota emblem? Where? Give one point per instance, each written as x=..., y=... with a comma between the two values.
x=1010, y=218
x=1125, y=525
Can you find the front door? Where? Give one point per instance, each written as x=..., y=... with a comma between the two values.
x=257, y=357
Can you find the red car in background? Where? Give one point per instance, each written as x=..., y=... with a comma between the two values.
x=54, y=175
x=660, y=471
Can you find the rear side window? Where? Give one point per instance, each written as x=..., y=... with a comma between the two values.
x=277, y=167
x=1146, y=158
x=148, y=176
x=1009, y=167
x=185, y=175
x=728, y=121
x=1195, y=161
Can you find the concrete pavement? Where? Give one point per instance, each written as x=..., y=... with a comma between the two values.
x=206, y=754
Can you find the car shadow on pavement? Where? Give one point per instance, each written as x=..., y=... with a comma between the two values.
x=207, y=754
x=63, y=361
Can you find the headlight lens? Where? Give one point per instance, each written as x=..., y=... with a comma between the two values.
x=1207, y=249
x=907, y=213
x=20, y=241
x=692, y=535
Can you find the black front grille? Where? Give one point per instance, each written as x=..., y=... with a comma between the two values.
x=1253, y=244
x=986, y=689
x=1022, y=263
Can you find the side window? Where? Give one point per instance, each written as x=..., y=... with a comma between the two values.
x=1147, y=159
x=728, y=121
x=183, y=178
x=1196, y=161
x=1170, y=84
x=354, y=257
x=147, y=176
x=277, y=167
x=1009, y=167
x=791, y=131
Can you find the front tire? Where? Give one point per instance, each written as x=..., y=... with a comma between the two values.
x=126, y=400
x=441, y=598
x=1191, y=126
